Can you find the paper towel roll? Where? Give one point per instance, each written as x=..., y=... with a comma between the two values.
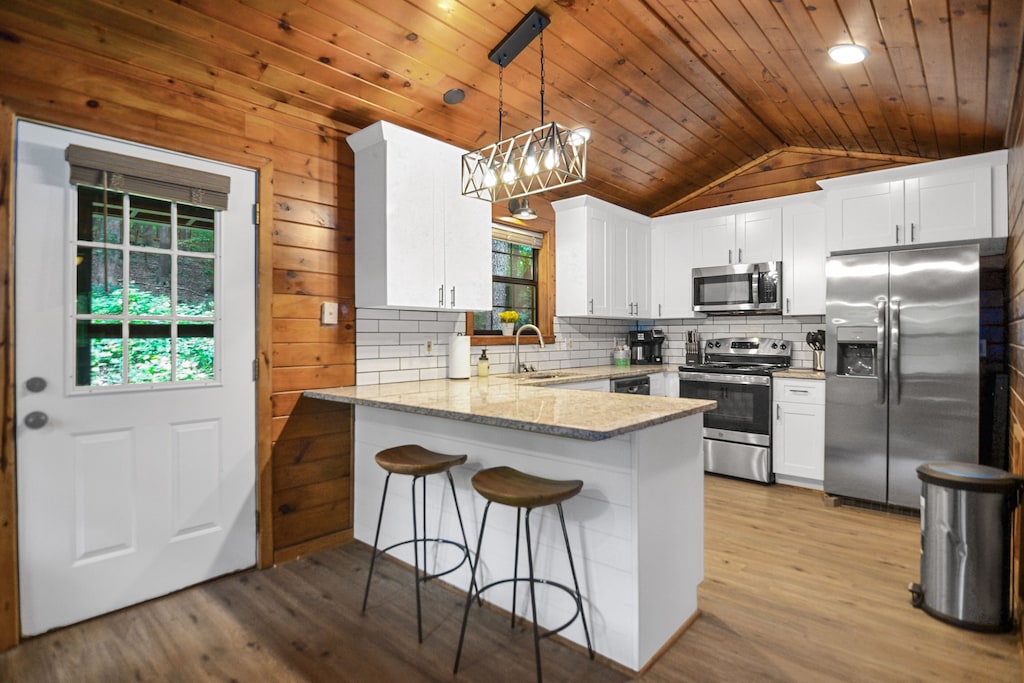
x=458, y=357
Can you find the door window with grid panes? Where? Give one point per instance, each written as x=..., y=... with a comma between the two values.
x=146, y=282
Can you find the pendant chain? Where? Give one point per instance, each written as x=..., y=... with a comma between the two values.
x=501, y=99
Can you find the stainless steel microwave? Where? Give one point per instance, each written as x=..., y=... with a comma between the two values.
x=742, y=288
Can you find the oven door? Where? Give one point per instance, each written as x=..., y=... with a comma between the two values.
x=744, y=404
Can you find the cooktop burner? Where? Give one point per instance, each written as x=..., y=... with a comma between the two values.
x=743, y=355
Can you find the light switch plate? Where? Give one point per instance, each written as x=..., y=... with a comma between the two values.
x=329, y=313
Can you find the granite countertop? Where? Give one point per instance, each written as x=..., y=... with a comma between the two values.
x=799, y=373
x=518, y=403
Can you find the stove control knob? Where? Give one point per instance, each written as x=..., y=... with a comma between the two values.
x=783, y=347
x=718, y=344
x=774, y=345
x=710, y=345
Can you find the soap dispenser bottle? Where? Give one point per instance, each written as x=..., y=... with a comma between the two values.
x=483, y=366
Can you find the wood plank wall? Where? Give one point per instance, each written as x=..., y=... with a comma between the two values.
x=1015, y=268
x=305, y=257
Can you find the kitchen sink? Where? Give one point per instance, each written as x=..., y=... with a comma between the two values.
x=542, y=375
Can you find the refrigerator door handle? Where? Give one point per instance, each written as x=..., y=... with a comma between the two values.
x=880, y=352
x=894, y=332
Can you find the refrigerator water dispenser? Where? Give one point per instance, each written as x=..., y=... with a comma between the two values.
x=856, y=351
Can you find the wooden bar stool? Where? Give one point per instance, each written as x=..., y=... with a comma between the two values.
x=418, y=462
x=508, y=486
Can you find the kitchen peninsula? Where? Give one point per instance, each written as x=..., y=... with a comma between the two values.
x=637, y=528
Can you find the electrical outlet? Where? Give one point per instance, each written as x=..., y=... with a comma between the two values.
x=329, y=313
x=430, y=346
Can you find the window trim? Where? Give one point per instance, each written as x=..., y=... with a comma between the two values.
x=545, y=267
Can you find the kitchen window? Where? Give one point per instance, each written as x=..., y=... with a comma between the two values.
x=520, y=266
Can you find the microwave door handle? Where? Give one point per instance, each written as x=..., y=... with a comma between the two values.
x=894, y=334
x=755, y=282
x=880, y=352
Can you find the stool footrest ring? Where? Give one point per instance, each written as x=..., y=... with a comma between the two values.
x=577, y=600
x=427, y=577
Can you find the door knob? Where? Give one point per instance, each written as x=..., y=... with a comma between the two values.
x=35, y=384
x=36, y=419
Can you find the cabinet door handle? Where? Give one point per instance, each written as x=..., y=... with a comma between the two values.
x=777, y=407
x=440, y=296
x=659, y=310
x=730, y=257
x=798, y=391
x=453, y=296
x=591, y=307
x=739, y=255
x=911, y=232
x=787, y=304
x=897, y=233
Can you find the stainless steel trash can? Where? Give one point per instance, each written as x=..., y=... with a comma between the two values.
x=966, y=520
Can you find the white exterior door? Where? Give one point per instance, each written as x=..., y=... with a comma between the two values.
x=135, y=401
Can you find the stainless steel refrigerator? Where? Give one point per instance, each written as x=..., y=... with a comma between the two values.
x=902, y=369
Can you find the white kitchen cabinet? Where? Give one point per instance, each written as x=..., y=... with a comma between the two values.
x=665, y=384
x=602, y=261
x=803, y=258
x=602, y=385
x=419, y=243
x=744, y=237
x=672, y=267
x=798, y=438
x=956, y=199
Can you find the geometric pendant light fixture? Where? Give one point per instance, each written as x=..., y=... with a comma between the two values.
x=544, y=158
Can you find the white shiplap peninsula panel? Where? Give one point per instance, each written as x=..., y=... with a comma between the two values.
x=637, y=527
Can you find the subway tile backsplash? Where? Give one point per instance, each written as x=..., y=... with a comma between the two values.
x=401, y=346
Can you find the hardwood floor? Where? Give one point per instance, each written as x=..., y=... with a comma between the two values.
x=793, y=591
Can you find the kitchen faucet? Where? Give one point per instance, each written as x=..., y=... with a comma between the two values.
x=520, y=331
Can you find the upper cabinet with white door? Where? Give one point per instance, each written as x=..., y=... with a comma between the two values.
x=671, y=267
x=419, y=242
x=941, y=201
x=724, y=237
x=803, y=254
x=602, y=261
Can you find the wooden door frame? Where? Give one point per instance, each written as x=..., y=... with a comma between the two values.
x=10, y=623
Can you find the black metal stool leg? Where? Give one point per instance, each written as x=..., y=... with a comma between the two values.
x=465, y=540
x=416, y=557
x=469, y=593
x=575, y=582
x=533, y=596
x=515, y=566
x=376, y=540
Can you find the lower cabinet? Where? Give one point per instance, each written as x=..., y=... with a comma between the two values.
x=587, y=385
x=798, y=441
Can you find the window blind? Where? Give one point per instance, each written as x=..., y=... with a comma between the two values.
x=526, y=238
x=97, y=168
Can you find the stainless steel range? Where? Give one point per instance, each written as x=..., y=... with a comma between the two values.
x=737, y=374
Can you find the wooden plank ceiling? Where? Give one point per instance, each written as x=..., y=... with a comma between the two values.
x=692, y=103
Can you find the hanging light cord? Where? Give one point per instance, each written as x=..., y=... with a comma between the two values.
x=542, y=77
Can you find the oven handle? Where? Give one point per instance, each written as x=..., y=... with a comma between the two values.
x=724, y=379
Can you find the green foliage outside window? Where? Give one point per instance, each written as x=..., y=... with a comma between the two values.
x=513, y=286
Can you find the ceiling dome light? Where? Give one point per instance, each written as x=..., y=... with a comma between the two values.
x=848, y=53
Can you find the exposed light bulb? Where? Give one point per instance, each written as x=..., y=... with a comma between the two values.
x=530, y=165
x=550, y=159
x=490, y=178
x=508, y=174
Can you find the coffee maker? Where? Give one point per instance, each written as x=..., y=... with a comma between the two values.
x=645, y=347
